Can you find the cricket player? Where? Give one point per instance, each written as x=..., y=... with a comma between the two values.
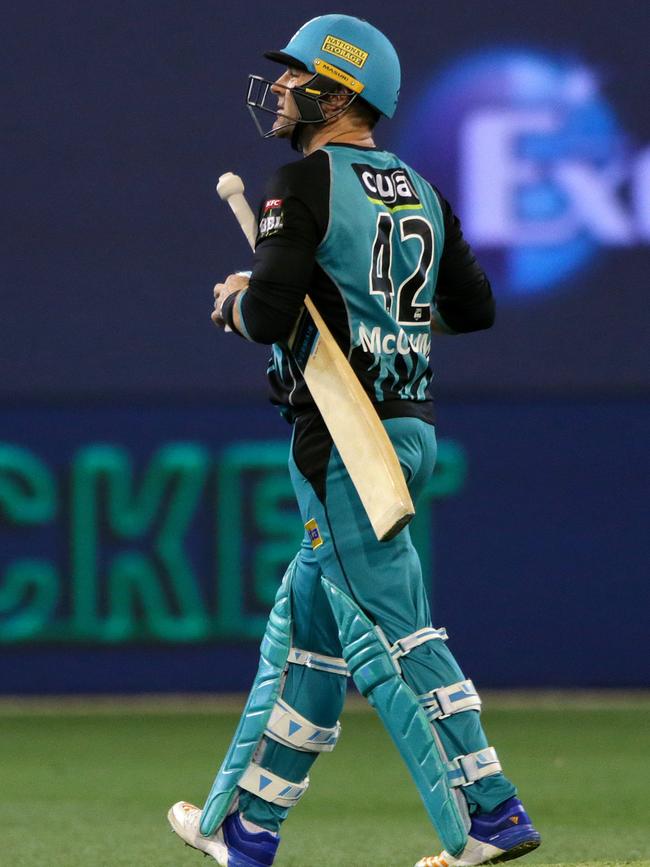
x=381, y=254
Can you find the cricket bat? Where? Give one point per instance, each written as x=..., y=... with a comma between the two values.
x=353, y=423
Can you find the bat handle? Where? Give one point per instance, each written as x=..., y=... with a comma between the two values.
x=245, y=217
x=231, y=189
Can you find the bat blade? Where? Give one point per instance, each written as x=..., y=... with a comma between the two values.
x=358, y=434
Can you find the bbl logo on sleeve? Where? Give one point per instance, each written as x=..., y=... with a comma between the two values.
x=272, y=217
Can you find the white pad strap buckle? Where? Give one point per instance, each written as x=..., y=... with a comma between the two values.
x=270, y=787
x=465, y=770
x=330, y=664
x=288, y=727
x=446, y=700
x=405, y=645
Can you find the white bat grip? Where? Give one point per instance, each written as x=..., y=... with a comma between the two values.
x=245, y=217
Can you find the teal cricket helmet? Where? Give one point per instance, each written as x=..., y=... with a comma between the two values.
x=349, y=51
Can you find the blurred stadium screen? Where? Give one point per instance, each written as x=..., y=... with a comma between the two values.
x=145, y=515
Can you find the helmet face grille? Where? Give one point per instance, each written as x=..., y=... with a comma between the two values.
x=259, y=99
x=261, y=102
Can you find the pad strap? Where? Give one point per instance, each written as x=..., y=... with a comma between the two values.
x=330, y=664
x=446, y=700
x=289, y=728
x=465, y=770
x=270, y=787
x=405, y=645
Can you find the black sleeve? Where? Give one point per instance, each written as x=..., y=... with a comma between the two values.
x=463, y=295
x=293, y=220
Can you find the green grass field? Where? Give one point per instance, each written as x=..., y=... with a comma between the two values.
x=88, y=785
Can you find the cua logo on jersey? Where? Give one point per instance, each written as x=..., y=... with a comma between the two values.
x=390, y=187
x=272, y=217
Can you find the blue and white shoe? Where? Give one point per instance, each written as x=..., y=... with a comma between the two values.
x=231, y=845
x=501, y=835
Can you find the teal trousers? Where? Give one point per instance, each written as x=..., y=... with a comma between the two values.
x=385, y=579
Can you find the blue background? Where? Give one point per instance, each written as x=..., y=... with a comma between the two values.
x=117, y=123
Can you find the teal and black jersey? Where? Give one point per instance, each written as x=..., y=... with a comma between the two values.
x=379, y=251
x=382, y=250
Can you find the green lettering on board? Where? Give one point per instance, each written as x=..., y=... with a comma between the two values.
x=150, y=588
x=182, y=547
x=29, y=586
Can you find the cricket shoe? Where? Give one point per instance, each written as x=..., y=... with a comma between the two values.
x=501, y=835
x=231, y=845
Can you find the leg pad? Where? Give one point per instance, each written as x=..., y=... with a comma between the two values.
x=376, y=675
x=264, y=694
